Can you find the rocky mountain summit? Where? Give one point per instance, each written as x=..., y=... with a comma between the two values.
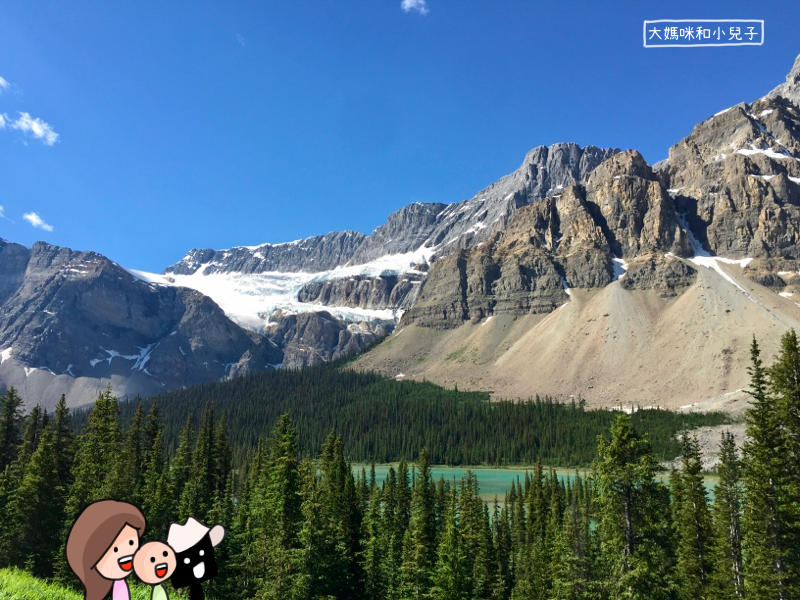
x=580, y=238
x=709, y=233
x=579, y=258
x=789, y=89
x=444, y=228
x=74, y=322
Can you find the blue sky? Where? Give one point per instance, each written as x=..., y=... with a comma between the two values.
x=143, y=129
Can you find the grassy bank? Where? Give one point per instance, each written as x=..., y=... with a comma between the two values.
x=19, y=585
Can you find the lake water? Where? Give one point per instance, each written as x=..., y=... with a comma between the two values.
x=490, y=480
x=494, y=481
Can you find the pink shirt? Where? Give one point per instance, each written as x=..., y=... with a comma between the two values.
x=121, y=591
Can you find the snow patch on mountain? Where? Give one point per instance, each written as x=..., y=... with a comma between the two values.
x=766, y=151
x=251, y=299
x=702, y=258
x=140, y=360
x=620, y=268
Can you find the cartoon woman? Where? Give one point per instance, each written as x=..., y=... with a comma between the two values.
x=101, y=545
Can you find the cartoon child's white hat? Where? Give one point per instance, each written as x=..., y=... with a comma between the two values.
x=183, y=537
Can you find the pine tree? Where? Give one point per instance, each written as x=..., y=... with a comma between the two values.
x=728, y=575
x=98, y=448
x=569, y=569
x=765, y=483
x=151, y=428
x=36, y=512
x=692, y=524
x=276, y=516
x=222, y=454
x=35, y=423
x=505, y=551
x=198, y=494
x=337, y=571
x=476, y=539
x=394, y=534
x=242, y=538
x=784, y=380
x=127, y=476
x=182, y=465
x=450, y=574
x=420, y=551
x=64, y=442
x=222, y=513
x=374, y=548
x=157, y=497
x=632, y=509
x=10, y=427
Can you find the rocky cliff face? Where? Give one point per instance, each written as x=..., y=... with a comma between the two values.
x=370, y=281
x=736, y=178
x=378, y=293
x=449, y=228
x=73, y=322
x=441, y=227
x=569, y=240
x=789, y=89
x=307, y=339
x=314, y=254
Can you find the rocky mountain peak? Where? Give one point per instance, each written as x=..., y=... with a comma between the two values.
x=790, y=89
x=405, y=231
x=311, y=255
x=624, y=164
x=736, y=179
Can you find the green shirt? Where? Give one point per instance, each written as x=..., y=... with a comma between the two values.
x=159, y=593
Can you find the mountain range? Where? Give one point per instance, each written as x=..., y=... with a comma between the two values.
x=585, y=271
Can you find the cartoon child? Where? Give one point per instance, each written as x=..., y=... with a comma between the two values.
x=101, y=545
x=153, y=564
x=194, y=552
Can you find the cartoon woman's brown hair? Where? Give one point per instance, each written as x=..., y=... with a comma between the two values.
x=101, y=545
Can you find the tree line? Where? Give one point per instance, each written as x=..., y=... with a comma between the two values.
x=307, y=528
x=382, y=420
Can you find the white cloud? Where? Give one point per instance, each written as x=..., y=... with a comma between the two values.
x=36, y=127
x=4, y=85
x=240, y=38
x=2, y=216
x=3, y=121
x=37, y=221
x=418, y=5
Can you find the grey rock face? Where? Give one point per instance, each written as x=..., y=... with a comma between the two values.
x=312, y=338
x=378, y=293
x=737, y=179
x=404, y=231
x=632, y=207
x=544, y=171
x=565, y=241
x=311, y=255
x=451, y=227
x=13, y=262
x=78, y=316
x=790, y=89
x=669, y=276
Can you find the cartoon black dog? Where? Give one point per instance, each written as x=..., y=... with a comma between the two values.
x=194, y=545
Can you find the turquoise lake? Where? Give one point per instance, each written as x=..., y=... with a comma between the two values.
x=494, y=481
x=491, y=481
